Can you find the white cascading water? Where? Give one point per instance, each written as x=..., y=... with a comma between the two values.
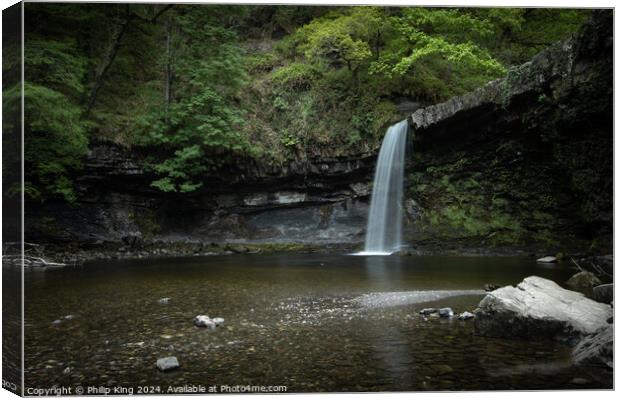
x=384, y=231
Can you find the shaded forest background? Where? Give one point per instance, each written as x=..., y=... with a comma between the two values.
x=199, y=87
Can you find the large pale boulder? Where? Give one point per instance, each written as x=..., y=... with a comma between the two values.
x=539, y=309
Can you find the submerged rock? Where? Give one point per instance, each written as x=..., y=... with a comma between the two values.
x=218, y=321
x=597, y=348
x=446, y=312
x=164, y=300
x=584, y=282
x=604, y=293
x=539, y=309
x=167, y=364
x=428, y=311
x=547, y=259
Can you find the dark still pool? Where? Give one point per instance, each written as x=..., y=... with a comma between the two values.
x=306, y=322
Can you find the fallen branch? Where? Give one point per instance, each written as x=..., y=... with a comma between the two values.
x=19, y=244
x=31, y=259
x=576, y=265
x=599, y=270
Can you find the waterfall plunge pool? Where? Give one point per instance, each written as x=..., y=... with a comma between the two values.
x=310, y=322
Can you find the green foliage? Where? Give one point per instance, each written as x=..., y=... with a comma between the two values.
x=202, y=129
x=441, y=52
x=260, y=63
x=56, y=65
x=297, y=75
x=56, y=134
x=334, y=42
x=55, y=144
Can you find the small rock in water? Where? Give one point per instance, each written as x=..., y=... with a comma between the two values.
x=547, y=259
x=164, y=300
x=57, y=322
x=446, y=312
x=204, y=321
x=69, y=317
x=428, y=311
x=466, y=315
x=67, y=370
x=168, y=363
x=218, y=321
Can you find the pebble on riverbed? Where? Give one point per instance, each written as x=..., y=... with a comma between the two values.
x=205, y=321
x=164, y=300
x=428, y=311
x=167, y=364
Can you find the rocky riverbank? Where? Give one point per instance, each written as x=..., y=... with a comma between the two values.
x=134, y=247
x=52, y=255
x=539, y=309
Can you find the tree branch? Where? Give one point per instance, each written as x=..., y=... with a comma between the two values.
x=116, y=45
x=163, y=10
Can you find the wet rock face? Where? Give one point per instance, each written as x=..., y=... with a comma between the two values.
x=539, y=309
x=322, y=201
x=530, y=154
x=597, y=348
x=113, y=160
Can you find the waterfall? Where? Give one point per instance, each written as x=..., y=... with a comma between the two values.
x=384, y=231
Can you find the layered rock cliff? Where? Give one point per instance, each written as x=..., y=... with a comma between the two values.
x=322, y=201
